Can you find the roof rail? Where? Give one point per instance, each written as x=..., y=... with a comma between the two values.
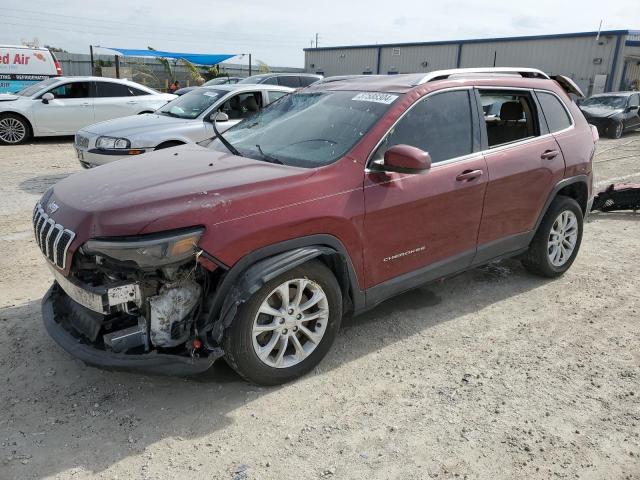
x=444, y=74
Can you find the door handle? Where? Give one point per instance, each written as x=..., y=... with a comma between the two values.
x=549, y=154
x=132, y=103
x=469, y=175
x=86, y=104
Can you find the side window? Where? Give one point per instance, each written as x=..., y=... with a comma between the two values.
x=634, y=101
x=509, y=116
x=71, y=90
x=275, y=95
x=291, y=81
x=137, y=92
x=271, y=81
x=242, y=105
x=440, y=124
x=554, y=112
x=110, y=89
x=306, y=81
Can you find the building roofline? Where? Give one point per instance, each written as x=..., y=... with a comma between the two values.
x=479, y=40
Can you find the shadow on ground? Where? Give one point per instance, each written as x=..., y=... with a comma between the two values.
x=79, y=408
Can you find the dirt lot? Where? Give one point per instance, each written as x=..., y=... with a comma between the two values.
x=491, y=374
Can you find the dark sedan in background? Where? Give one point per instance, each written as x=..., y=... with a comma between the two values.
x=613, y=113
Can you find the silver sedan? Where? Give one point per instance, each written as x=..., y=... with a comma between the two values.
x=187, y=119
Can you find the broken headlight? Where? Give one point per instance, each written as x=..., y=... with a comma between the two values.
x=149, y=251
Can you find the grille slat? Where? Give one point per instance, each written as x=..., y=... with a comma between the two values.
x=52, y=238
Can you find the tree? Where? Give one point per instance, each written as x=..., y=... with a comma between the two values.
x=169, y=68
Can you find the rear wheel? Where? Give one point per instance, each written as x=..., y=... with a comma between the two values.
x=615, y=129
x=286, y=327
x=14, y=129
x=557, y=241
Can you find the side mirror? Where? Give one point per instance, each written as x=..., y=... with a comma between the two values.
x=404, y=159
x=47, y=97
x=631, y=108
x=219, y=117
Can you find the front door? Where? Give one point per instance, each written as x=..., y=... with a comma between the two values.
x=633, y=111
x=422, y=226
x=69, y=111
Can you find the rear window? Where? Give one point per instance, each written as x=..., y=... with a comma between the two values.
x=289, y=81
x=306, y=81
x=554, y=112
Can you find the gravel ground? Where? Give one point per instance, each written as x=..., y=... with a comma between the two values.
x=491, y=374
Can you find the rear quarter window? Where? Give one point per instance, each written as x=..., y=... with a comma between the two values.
x=554, y=112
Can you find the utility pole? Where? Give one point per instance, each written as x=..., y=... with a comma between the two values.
x=249, y=64
x=317, y=35
x=91, y=55
x=117, y=66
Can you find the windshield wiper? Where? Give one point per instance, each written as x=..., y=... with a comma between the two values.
x=224, y=141
x=268, y=158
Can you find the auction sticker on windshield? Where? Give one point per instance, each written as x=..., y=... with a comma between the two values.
x=386, y=98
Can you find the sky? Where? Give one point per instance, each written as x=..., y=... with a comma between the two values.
x=275, y=32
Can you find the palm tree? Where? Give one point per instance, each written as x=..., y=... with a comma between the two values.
x=194, y=71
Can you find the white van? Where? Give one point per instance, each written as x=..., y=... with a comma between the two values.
x=22, y=66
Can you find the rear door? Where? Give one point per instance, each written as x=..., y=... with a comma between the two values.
x=524, y=163
x=70, y=110
x=414, y=222
x=114, y=100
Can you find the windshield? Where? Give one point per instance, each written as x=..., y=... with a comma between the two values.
x=613, y=101
x=192, y=104
x=216, y=81
x=254, y=79
x=308, y=129
x=36, y=87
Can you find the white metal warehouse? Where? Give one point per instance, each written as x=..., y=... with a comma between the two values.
x=597, y=61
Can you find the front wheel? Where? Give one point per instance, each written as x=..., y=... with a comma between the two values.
x=286, y=327
x=13, y=129
x=557, y=241
x=615, y=129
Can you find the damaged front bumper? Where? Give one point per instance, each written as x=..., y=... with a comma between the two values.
x=55, y=313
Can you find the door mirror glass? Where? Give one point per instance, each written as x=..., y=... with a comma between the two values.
x=404, y=159
x=219, y=117
x=47, y=97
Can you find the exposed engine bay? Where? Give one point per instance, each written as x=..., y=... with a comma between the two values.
x=124, y=309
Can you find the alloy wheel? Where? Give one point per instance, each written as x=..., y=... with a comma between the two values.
x=562, y=238
x=12, y=130
x=290, y=323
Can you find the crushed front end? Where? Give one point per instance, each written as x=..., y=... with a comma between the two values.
x=127, y=302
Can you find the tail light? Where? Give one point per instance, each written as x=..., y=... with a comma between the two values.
x=58, y=67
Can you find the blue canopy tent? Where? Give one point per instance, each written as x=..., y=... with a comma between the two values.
x=195, y=58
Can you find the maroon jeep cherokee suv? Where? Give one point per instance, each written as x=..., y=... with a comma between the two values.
x=253, y=246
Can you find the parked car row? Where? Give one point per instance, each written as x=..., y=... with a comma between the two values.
x=187, y=119
x=253, y=244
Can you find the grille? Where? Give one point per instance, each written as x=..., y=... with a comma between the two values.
x=82, y=141
x=52, y=238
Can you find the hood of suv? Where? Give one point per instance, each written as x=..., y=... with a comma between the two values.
x=168, y=189
x=600, y=112
x=136, y=125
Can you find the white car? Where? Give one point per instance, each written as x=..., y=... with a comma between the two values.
x=63, y=105
x=187, y=119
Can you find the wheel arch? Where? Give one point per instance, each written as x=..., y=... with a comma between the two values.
x=21, y=115
x=575, y=187
x=169, y=143
x=253, y=270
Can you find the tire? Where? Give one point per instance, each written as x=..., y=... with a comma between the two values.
x=542, y=258
x=14, y=129
x=241, y=342
x=168, y=145
x=615, y=130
